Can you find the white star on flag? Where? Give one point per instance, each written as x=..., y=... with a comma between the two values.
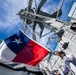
x=17, y=41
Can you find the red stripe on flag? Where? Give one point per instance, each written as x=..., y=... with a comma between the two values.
x=31, y=54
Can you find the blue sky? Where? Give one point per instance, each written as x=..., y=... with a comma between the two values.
x=10, y=23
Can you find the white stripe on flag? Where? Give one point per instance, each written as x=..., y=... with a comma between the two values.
x=6, y=53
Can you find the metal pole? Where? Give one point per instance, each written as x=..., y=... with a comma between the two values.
x=55, y=62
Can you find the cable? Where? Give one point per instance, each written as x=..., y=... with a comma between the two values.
x=60, y=8
x=30, y=29
x=35, y=4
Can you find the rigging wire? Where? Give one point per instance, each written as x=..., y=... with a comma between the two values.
x=60, y=8
x=43, y=64
x=33, y=33
x=35, y=4
x=56, y=61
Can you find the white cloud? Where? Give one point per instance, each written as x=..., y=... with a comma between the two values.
x=12, y=7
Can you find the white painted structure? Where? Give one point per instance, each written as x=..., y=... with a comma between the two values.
x=72, y=13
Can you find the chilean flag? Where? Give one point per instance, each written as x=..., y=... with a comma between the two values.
x=20, y=48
